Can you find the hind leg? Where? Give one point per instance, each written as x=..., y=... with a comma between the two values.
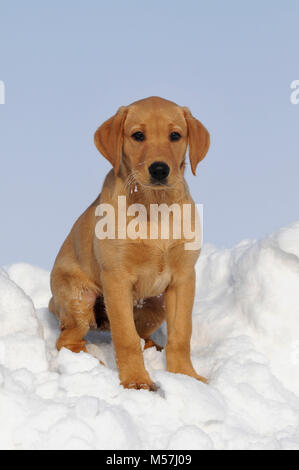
x=73, y=330
x=148, y=316
x=73, y=303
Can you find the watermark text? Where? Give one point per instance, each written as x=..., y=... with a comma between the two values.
x=295, y=94
x=2, y=92
x=158, y=221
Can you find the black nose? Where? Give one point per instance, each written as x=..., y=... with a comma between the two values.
x=159, y=171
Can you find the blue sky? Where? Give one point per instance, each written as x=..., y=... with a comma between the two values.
x=68, y=66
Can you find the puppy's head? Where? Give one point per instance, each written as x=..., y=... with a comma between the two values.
x=149, y=139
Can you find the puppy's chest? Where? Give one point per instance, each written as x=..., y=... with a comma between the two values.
x=151, y=282
x=153, y=273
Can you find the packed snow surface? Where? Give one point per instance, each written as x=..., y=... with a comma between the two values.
x=245, y=340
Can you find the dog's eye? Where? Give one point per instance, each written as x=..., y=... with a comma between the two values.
x=174, y=136
x=139, y=136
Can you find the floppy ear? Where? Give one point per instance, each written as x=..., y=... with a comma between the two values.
x=199, y=140
x=109, y=138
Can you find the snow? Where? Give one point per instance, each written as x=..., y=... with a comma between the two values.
x=245, y=340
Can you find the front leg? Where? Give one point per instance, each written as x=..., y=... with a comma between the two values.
x=119, y=305
x=179, y=299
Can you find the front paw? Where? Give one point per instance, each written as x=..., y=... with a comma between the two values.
x=192, y=374
x=188, y=371
x=139, y=384
x=200, y=378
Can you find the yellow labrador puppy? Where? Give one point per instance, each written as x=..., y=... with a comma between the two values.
x=97, y=282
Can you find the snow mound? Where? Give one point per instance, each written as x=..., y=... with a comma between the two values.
x=34, y=281
x=245, y=340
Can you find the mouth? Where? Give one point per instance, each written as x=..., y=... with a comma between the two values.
x=162, y=183
x=136, y=180
x=154, y=186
